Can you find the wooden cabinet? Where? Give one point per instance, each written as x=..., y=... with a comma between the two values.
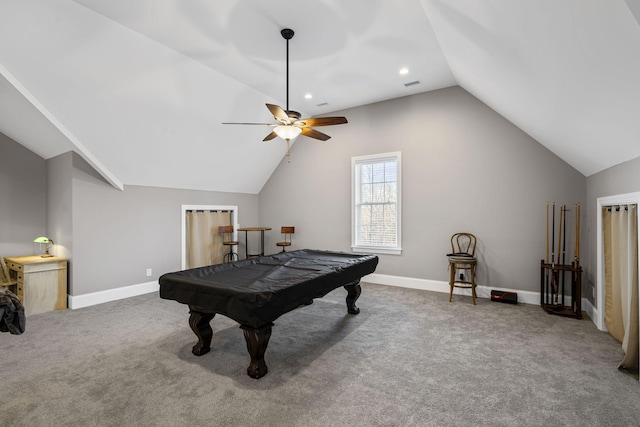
x=41, y=282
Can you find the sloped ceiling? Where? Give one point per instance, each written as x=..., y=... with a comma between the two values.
x=140, y=88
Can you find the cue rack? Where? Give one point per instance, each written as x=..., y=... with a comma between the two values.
x=559, y=272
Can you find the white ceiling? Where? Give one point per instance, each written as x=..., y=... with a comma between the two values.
x=140, y=88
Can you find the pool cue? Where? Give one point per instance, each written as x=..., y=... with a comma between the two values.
x=553, y=255
x=564, y=242
x=546, y=259
x=578, y=233
x=575, y=233
x=557, y=281
x=576, y=257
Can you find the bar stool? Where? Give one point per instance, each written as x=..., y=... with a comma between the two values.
x=227, y=235
x=462, y=264
x=286, y=231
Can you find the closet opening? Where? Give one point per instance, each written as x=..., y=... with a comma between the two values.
x=617, y=273
x=201, y=240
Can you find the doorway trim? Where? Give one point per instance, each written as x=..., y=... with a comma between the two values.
x=183, y=219
x=620, y=199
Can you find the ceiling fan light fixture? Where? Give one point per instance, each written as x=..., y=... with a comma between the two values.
x=287, y=132
x=289, y=125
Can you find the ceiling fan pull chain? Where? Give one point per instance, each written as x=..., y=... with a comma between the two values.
x=288, y=151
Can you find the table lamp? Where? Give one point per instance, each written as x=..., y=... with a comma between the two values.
x=45, y=240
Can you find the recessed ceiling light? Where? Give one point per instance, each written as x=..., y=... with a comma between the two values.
x=308, y=96
x=404, y=71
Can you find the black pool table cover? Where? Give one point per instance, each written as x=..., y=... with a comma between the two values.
x=256, y=291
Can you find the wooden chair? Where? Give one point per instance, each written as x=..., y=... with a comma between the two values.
x=286, y=231
x=462, y=264
x=6, y=281
x=227, y=236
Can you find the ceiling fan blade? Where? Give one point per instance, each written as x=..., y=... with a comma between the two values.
x=323, y=121
x=270, y=136
x=279, y=114
x=312, y=133
x=259, y=124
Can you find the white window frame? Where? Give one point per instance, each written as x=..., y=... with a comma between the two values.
x=355, y=187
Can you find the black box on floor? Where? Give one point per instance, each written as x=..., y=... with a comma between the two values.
x=503, y=296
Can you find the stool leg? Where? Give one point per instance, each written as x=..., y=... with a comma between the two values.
x=452, y=276
x=473, y=284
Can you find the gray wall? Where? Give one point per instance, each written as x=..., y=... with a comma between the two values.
x=621, y=179
x=117, y=235
x=110, y=237
x=464, y=168
x=59, y=214
x=23, y=199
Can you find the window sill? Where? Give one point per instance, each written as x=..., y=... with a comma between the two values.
x=374, y=250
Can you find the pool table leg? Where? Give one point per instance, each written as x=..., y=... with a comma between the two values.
x=353, y=293
x=257, y=340
x=199, y=323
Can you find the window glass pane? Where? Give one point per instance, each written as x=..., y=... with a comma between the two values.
x=365, y=194
x=366, y=173
x=378, y=193
x=390, y=171
x=391, y=192
x=378, y=172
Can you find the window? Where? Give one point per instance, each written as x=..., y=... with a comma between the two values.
x=375, y=224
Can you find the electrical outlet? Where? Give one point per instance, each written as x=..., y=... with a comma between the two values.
x=149, y=272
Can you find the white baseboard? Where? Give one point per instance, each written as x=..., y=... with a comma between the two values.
x=526, y=297
x=101, y=297
x=594, y=315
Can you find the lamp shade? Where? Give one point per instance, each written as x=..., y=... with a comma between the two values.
x=287, y=132
x=43, y=239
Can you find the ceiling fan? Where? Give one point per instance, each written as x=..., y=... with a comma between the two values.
x=289, y=124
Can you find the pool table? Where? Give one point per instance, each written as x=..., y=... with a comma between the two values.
x=255, y=292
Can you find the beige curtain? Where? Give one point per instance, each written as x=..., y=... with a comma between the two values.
x=620, y=231
x=204, y=243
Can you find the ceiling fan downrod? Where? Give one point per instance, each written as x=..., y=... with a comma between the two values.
x=287, y=33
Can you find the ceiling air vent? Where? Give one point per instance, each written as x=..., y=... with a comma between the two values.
x=417, y=82
x=322, y=104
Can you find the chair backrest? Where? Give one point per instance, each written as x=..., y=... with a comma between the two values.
x=463, y=243
x=227, y=232
x=224, y=229
x=5, y=277
x=287, y=230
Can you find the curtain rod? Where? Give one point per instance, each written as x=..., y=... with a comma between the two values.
x=618, y=207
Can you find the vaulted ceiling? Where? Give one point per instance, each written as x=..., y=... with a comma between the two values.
x=140, y=88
